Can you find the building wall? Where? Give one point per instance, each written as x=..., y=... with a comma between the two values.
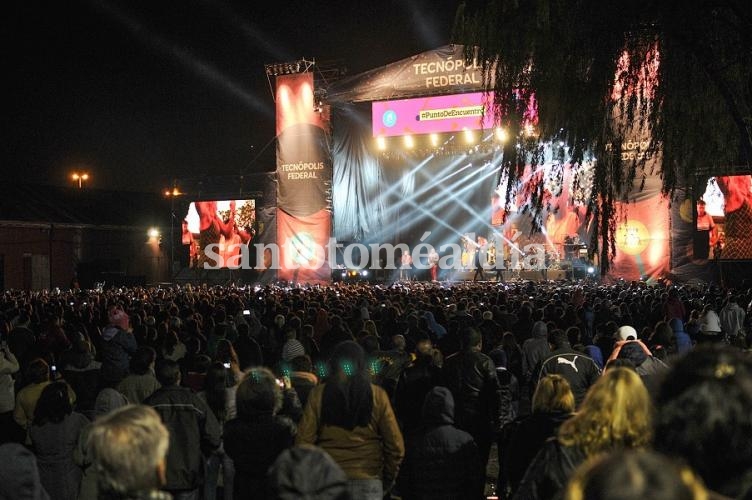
x=30, y=253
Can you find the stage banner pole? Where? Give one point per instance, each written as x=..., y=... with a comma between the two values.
x=304, y=181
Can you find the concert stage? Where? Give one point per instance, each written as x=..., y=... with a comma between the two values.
x=507, y=275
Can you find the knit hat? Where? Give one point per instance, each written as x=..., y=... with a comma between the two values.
x=626, y=331
x=292, y=349
x=307, y=472
x=118, y=318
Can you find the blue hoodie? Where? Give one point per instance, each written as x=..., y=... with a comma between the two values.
x=683, y=341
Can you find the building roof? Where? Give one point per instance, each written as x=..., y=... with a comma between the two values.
x=25, y=203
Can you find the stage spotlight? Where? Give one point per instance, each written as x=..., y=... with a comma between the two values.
x=409, y=141
x=381, y=143
x=153, y=232
x=469, y=136
x=590, y=270
x=434, y=140
x=501, y=134
x=364, y=273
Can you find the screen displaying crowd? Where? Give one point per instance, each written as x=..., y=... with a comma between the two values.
x=228, y=224
x=723, y=223
x=355, y=390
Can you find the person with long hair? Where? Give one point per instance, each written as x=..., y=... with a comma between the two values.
x=553, y=404
x=703, y=417
x=54, y=435
x=615, y=415
x=352, y=420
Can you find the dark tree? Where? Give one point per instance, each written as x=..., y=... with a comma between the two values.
x=606, y=72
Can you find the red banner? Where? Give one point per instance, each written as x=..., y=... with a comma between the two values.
x=302, y=246
x=304, y=175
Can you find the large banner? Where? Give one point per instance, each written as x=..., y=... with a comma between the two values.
x=302, y=246
x=643, y=231
x=426, y=115
x=440, y=71
x=304, y=175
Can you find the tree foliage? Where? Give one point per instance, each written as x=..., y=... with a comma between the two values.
x=677, y=71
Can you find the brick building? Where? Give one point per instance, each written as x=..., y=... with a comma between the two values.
x=50, y=235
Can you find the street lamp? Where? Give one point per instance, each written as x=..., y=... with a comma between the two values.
x=80, y=178
x=172, y=194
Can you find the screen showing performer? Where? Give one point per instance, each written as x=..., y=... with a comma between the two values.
x=229, y=224
x=723, y=224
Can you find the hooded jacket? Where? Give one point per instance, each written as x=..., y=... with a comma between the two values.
x=306, y=472
x=116, y=350
x=534, y=350
x=442, y=461
x=683, y=341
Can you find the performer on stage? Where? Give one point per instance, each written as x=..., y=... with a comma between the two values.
x=546, y=264
x=406, y=261
x=433, y=259
x=481, y=246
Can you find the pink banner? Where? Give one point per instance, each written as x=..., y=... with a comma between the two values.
x=425, y=115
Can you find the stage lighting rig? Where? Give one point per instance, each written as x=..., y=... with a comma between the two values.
x=289, y=68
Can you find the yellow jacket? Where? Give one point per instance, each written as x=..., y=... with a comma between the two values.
x=373, y=452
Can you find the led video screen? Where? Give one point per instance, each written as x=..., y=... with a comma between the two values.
x=723, y=219
x=228, y=224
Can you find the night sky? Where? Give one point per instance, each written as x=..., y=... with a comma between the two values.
x=140, y=93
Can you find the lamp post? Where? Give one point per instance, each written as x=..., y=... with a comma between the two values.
x=172, y=194
x=80, y=178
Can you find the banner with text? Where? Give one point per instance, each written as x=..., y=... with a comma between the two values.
x=440, y=71
x=425, y=115
x=302, y=244
x=304, y=169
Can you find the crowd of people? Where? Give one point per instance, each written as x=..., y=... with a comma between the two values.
x=365, y=391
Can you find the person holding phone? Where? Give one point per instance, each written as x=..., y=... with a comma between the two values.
x=39, y=375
